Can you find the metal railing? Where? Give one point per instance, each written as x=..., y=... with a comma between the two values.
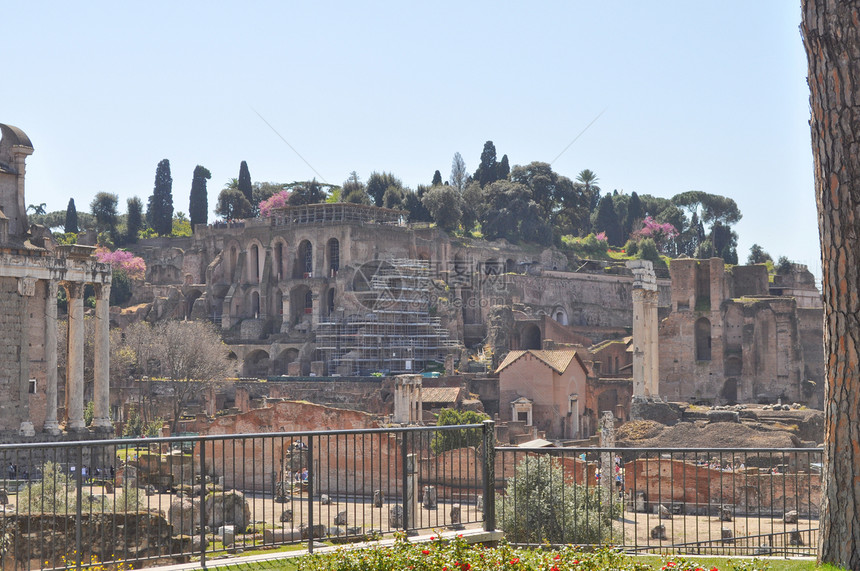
x=152, y=501
x=165, y=500
x=751, y=501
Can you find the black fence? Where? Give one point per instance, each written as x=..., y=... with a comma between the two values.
x=708, y=501
x=167, y=500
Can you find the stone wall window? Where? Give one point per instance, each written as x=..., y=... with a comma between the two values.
x=32, y=387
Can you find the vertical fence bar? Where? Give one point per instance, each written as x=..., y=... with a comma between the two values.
x=79, y=483
x=312, y=474
x=404, y=476
x=489, y=475
x=202, y=504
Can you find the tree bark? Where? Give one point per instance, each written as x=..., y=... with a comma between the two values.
x=831, y=33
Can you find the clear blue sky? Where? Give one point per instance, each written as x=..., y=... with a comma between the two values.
x=707, y=96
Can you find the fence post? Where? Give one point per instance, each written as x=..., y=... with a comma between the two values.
x=489, y=475
x=203, y=503
x=404, y=469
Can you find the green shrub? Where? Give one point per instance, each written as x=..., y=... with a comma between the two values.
x=540, y=506
x=453, y=439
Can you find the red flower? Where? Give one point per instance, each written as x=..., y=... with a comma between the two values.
x=425, y=551
x=557, y=557
x=515, y=560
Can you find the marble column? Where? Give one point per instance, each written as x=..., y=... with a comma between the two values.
x=27, y=291
x=101, y=360
x=51, y=425
x=75, y=359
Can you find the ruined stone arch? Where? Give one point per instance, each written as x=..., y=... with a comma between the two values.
x=560, y=315
x=280, y=258
x=304, y=264
x=231, y=259
x=256, y=364
x=283, y=359
x=254, y=261
x=703, y=339
x=329, y=301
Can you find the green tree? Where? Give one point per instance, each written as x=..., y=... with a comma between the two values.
x=445, y=440
x=378, y=183
x=393, y=197
x=198, y=202
x=136, y=426
x=354, y=191
x=510, y=212
x=244, y=184
x=133, y=219
x=488, y=170
x=445, y=205
x=459, y=175
x=159, y=211
x=437, y=179
x=307, y=192
x=413, y=203
x=589, y=181
x=607, y=221
x=541, y=505
x=71, y=225
x=104, y=209
x=39, y=209
x=232, y=205
x=758, y=255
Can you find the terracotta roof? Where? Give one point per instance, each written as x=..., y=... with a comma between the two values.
x=557, y=360
x=440, y=394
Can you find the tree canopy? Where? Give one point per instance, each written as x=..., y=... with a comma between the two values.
x=198, y=201
x=159, y=211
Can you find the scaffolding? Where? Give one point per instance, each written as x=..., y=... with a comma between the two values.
x=327, y=213
x=397, y=334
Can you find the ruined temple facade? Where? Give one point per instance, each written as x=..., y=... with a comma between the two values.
x=32, y=269
x=734, y=337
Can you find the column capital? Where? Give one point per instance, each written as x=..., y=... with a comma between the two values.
x=74, y=289
x=102, y=291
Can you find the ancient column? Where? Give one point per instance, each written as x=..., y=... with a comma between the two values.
x=27, y=290
x=51, y=425
x=75, y=358
x=644, y=328
x=101, y=360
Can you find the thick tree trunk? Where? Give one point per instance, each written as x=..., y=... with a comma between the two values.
x=831, y=31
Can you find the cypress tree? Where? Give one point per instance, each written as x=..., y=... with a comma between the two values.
x=245, y=182
x=134, y=219
x=504, y=168
x=607, y=221
x=159, y=211
x=198, y=207
x=488, y=170
x=634, y=213
x=71, y=217
x=437, y=179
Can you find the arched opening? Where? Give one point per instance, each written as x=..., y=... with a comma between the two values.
x=255, y=304
x=560, y=316
x=703, y=339
x=309, y=302
x=510, y=266
x=232, y=262
x=256, y=364
x=300, y=296
x=278, y=302
x=530, y=337
x=304, y=267
x=279, y=253
x=333, y=256
x=282, y=361
x=190, y=298
x=703, y=287
x=729, y=394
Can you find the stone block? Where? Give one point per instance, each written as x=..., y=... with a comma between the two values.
x=227, y=508
x=455, y=514
x=395, y=517
x=285, y=535
x=318, y=531
x=725, y=513
x=658, y=532
x=340, y=518
x=790, y=517
x=325, y=500
x=286, y=516
x=663, y=511
x=795, y=538
x=727, y=535
x=378, y=498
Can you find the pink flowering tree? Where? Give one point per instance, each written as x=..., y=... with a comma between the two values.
x=661, y=232
x=133, y=266
x=277, y=200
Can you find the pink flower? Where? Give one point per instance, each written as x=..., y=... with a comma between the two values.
x=133, y=266
x=277, y=200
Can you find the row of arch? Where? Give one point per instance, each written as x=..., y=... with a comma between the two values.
x=302, y=266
